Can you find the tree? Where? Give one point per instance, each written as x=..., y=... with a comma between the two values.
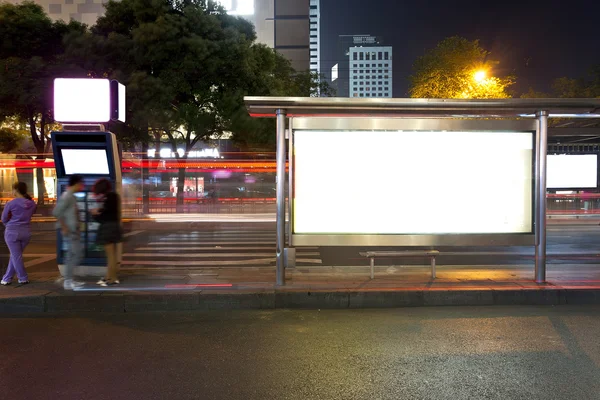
x=457, y=69
x=186, y=65
x=31, y=53
x=10, y=140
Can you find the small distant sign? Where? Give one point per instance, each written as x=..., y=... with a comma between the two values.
x=86, y=100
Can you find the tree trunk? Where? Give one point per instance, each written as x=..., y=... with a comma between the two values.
x=41, y=186
x=180, y=187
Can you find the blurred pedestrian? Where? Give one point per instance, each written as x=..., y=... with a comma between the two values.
x=109, y=233
x=17, y=219
x=67, y=216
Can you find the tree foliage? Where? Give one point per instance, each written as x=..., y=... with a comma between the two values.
x=448, y=71
x=31, y=56
x=565, y=87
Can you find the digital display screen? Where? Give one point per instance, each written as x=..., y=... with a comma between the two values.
x=572, y=171
x=401, y=182
x=85, y=161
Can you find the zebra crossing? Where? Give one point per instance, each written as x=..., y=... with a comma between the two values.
x=216, y=249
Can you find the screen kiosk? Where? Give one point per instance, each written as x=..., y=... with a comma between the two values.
x=93, y=155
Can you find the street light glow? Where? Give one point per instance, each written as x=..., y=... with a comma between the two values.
x=480, y=76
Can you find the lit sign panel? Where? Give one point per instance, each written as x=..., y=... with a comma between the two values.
x=572, y=171
x=88, y=100
x=85, y=161
x=167, y=153
x=401, y=182
x=82, y=100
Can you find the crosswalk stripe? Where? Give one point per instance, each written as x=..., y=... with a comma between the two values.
x=270, y=242
x=227, y=248
x=204, y=255
x=192, y=263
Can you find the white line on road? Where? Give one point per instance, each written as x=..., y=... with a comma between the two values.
x=207, y=255
x=196, y=248
x=212, y=263
x=269, y=242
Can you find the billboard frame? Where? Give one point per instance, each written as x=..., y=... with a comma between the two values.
x=412, y=124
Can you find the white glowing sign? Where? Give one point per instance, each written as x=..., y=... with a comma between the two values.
x=88, y=100
x=572, y=171
x=167, y=153
x=334, y=72
x=427, y=182
x=82, y=100
x=85, y=161
x=238, y=7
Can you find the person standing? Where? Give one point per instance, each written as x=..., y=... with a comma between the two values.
x=109, y=233
x=17, y=218
x=67, y=216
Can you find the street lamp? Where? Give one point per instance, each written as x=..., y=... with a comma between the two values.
x=479, y=76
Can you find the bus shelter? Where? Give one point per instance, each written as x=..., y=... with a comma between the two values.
x=372, y=172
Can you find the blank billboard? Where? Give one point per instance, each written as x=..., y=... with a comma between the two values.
x=567, y=171
x=420, y=182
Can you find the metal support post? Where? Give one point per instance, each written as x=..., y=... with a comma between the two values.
x=280, y=184
x=372, y=267
x=432, y=267
x=540, y=196
x=290, y=254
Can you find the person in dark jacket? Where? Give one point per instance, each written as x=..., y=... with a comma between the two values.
x=109, y=233
x=17, y=218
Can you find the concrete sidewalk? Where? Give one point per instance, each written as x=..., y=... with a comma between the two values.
x=145, y=289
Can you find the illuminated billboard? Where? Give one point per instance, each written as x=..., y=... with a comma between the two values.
x=572, y=171
x=85, y=100
x=426, y=182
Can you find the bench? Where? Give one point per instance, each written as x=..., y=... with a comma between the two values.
x=408, y=253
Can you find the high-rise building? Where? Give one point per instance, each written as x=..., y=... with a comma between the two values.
x=280, y=24
x=315, y=36
x=370, y=71
x=348, y=45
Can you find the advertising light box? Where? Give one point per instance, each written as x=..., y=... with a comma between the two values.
x=85, y=161
x=576, y=171
x=413, y=182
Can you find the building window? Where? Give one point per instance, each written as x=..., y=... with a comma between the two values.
x=387, y=95
x=367, y=89
x=387, y=65
x=361, y=56
x=386, y=76
x=354, y=56
x=355, y=94
x=380, y=55
x=362, y=95
x=361, y=89
x=361, y=83
x=355, y=77
x=362, y=65
x=368, y=55
x=361, y=71
x=380, y=77
x=386, y=56
x=361, y=77
x=387, y=88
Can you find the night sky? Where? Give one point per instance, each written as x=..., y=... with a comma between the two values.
x=538, y=41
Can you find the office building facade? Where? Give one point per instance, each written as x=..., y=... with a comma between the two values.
x=342, y=78
x=370, y=71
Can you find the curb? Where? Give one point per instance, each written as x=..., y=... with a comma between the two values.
x=280, y=299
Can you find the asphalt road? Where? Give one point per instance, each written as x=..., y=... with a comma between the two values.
x=422, y=353
x=251, y=244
